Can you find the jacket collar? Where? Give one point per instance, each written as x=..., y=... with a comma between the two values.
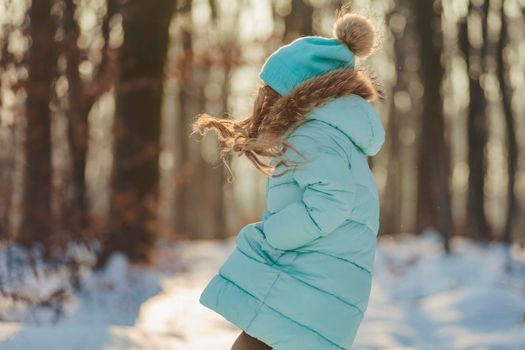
x=341, y=98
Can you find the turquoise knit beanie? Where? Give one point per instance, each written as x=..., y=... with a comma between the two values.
x=310, y=56
x=304, y=58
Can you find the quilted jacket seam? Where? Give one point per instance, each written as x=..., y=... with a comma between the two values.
x=353, y=306
x=340, y=258
x=263, y=302
x=306, y=327
x=310, y=285
x=249, y=257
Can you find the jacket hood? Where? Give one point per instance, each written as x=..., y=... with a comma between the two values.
x=342, y=99
x=356, y=118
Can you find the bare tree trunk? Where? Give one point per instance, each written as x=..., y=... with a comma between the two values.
x=134, y=186
x=390, y=208
x=81, y=98
x=477, y=127
x=207, y=216
x=512, y=155
x=7, y=166
x=183, y=200
x=200, y=193
x=74, y=207
x=434, y=207
x=213, y=179
x=299, y=21
x=6, y=158
x=36, y=225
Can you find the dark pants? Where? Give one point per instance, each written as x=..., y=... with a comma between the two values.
x=246, y=342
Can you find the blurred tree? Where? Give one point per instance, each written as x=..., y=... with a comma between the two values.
x=139, y=91
x=82, y=95
x=391, y=218
x=475, y=59
x=512, y=146
x=36, y=226
x=209, y=187
x=433, y=202
x=5, y=163
x=185, y=66
x=201, y=189
x=298, y=22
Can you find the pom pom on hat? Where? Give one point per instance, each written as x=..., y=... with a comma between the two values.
x=357, y=32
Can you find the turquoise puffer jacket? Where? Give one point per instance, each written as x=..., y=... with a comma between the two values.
x=300, y=278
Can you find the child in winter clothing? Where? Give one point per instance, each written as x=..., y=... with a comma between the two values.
x=300, y=278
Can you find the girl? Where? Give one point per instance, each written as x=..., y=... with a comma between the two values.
x=300, y=278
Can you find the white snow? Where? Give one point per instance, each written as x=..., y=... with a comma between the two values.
x=421, y=299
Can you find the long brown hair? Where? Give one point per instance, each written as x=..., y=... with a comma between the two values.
x=247, y=136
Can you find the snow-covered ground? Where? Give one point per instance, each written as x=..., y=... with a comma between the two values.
x=421, y=299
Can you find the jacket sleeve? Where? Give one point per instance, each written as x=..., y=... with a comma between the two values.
x=328, y=197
